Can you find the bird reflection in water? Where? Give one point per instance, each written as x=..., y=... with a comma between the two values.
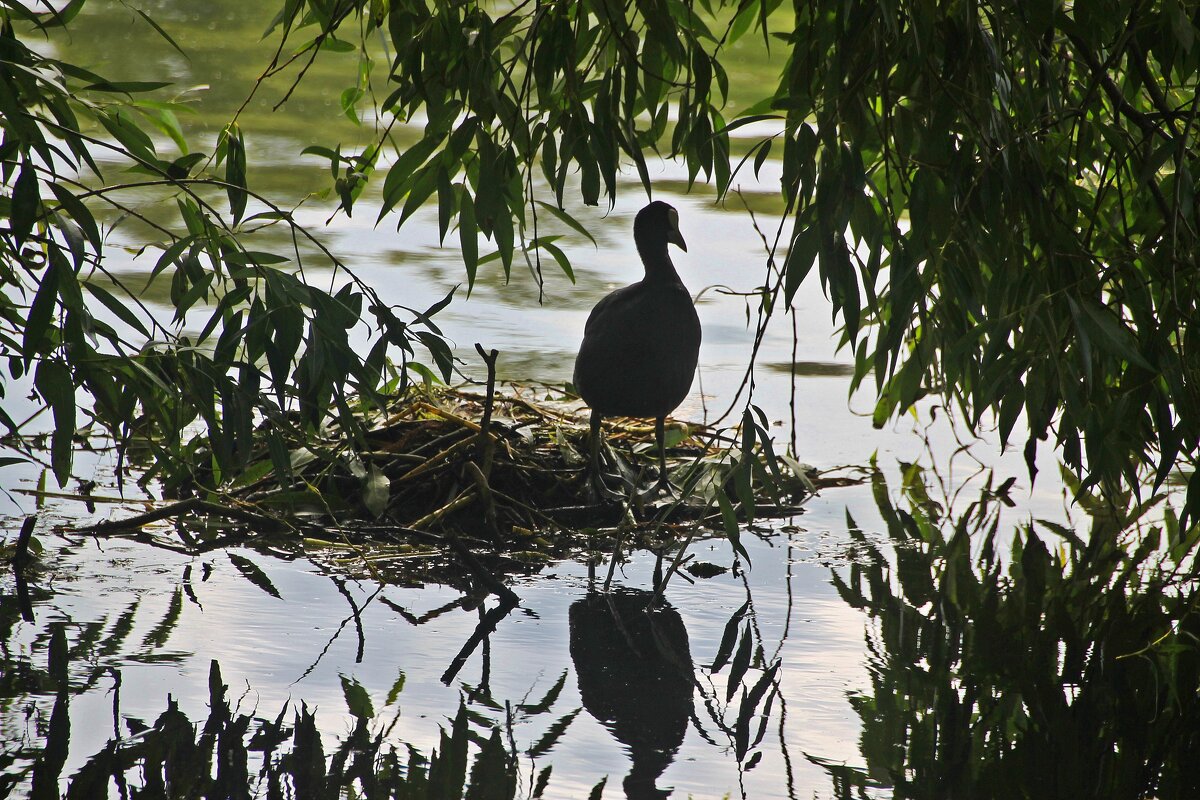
x=636, y=677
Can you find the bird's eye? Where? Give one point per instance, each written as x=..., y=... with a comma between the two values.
x=673, y=215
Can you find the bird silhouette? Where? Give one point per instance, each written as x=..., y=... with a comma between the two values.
x=641, y=342
x=636, y=677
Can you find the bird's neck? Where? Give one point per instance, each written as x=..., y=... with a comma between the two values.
x=658, y=263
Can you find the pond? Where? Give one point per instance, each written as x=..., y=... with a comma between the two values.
x=144, y=623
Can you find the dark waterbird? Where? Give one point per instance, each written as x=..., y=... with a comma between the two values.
x=641, y=343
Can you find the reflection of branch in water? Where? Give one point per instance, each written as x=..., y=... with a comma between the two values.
x=485, y=670
x=355, y=614
x=487, y=624
x=23, y=594
x=413, y=619
x=787, y=626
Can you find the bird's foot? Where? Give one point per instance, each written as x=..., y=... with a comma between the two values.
x=663, y=486
x=598, y=491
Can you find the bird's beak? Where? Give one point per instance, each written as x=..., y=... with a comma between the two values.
x=675, y=237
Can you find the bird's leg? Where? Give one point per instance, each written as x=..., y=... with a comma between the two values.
x=594, y=445
x=593, y=474
x=596, y=488
x=660, y=438
x=663, y=484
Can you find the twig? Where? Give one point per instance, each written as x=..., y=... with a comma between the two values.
x=189, y=506
x=484, y=437
x=450, y=415
x=489, y=358
x=82, y=498
x=431, y=462
x=462, y=500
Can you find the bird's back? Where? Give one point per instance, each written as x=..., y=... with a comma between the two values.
x=639, y=352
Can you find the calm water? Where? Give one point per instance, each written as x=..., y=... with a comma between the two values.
x=298, y=646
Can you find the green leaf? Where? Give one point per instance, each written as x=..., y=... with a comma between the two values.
x=748, y=120
x=122, y=309
x=542, y=781
x=235, y=172
x=728, y=638
x=447, y=203
x=166, y=36
x=559, y=256
x=492, y=777
x=468, y=235
x=800, y=259
x=181, y=167
x=26, y=204
x=158, y=636
x=1106, y=328
x=349, y=102
x=56, y=387
x=133, y=138
x=397, y=687
x=747, y=710
x=398, y=181
x=337, y=45
x=730, y=521
x=75, y=208
x=41, y=311
x=126, y=87
x=566, y=219
x=546, y=702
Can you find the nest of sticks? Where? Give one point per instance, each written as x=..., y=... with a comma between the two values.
x=441, y=474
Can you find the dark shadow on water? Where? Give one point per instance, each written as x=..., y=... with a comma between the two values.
x=812, y=369
x=636, y=677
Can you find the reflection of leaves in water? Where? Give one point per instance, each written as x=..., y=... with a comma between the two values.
x=729, y=637
x=551, y=737
x=236, y=755
x=397, y=687
x=119, y=630
x=358, y=702
x=751, y=676
x=253, y=573
x=544, y=704
x=1061, y=671
x=162, y=631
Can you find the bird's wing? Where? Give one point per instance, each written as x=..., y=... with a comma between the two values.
x=609, y=304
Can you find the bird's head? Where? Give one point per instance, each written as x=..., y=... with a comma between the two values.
x=658, y=223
